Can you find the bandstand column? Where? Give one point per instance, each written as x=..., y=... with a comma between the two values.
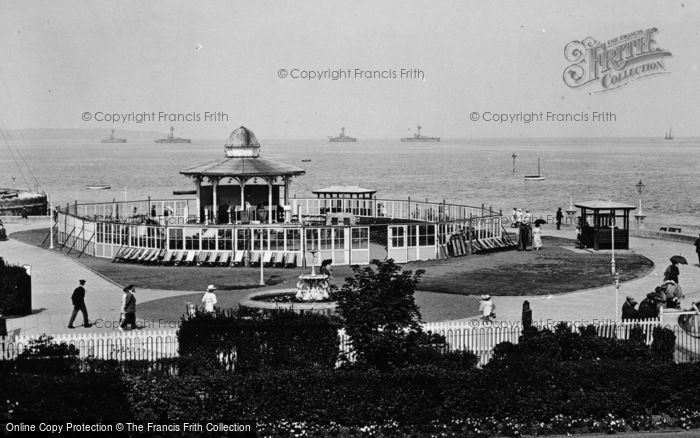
x=215, y=206
x=241, y=182
x=269, y=200
x=198, y=185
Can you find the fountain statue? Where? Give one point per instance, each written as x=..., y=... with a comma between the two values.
x=314, y=287
x=312, y=294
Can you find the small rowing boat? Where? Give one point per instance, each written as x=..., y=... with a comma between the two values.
x=98, y=187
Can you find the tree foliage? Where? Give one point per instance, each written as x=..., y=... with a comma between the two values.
x=380, y=315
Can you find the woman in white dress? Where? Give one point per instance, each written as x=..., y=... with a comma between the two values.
x=537, y=237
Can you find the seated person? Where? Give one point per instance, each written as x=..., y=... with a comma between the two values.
x=648, y=308
x=628, y=310
x=674, y=294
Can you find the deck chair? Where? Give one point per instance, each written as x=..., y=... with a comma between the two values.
x=290, y=260
x=158, y=256
x=267, y=258
x=254, y=258
x=167, y=257
x=144, y=255
x=238, y=259
x=179, y=257
x=122, y=254
x=225, y=258
x=201, y=257
x=154, y=256
x=189, y=258
x=213, y=257
x=134, y=256
x=278, y=259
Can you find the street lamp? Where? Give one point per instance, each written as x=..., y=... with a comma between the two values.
x=262, y=275
x=639, y=216
x=617, y=294
x=51, y=224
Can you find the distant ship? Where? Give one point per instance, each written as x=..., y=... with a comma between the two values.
x=113, y=139
x=669, y=135
x=537, y=177
x=419, y=138
x=342, y=137
x=172, y=139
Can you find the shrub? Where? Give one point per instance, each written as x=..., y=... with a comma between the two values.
x=562, y=344
x=380, y=315
x=15, y=291
x=43, y=355
x=281, y=339
x=84, y=397
x=582, y=392
x=663, y=344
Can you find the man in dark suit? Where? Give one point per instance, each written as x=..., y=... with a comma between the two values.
x=78, y=299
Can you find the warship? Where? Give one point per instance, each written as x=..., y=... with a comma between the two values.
x=342, y=137
x=172, y=139
x=419, y=138
x=113, y=139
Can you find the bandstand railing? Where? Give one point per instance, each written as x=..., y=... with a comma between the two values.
x=407, y=230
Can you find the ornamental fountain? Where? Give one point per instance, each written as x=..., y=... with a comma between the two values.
x=312, y=294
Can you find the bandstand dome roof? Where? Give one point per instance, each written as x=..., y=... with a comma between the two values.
x=242, y=137
x=242, y=158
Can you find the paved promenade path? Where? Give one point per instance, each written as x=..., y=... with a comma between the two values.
x=54, y=276
x=599, y=303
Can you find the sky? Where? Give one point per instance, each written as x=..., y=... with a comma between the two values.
x=62, y=59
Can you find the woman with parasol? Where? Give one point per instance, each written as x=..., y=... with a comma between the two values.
x=537, y=234
x=672, y=272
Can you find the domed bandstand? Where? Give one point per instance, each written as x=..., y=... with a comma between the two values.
x=243, y=215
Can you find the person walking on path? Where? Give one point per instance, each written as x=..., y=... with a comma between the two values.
x=488, y=309
x=128, y=315
x=209, y=299
x=537, y=237
x=560, y=216
x=697, y=249
x=672, y=272
x=78, y=299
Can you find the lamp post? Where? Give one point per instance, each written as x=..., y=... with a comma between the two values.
x=262, y=277
x=639, y=216
x=612, y=242
x=51, y=224
x=617, y=294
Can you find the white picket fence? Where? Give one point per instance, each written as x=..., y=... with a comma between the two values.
x=480, y=338
x=149, y=345
x=464, y=335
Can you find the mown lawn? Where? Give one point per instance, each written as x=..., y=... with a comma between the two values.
x=552, y=270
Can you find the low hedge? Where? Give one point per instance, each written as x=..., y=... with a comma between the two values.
x=84, y=397
x=427, y=397
x=281, y=339
x=15, y=291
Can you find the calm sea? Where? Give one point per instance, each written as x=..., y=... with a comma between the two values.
x=459, y=171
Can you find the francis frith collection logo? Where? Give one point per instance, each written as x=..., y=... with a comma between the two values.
x=615, y=63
